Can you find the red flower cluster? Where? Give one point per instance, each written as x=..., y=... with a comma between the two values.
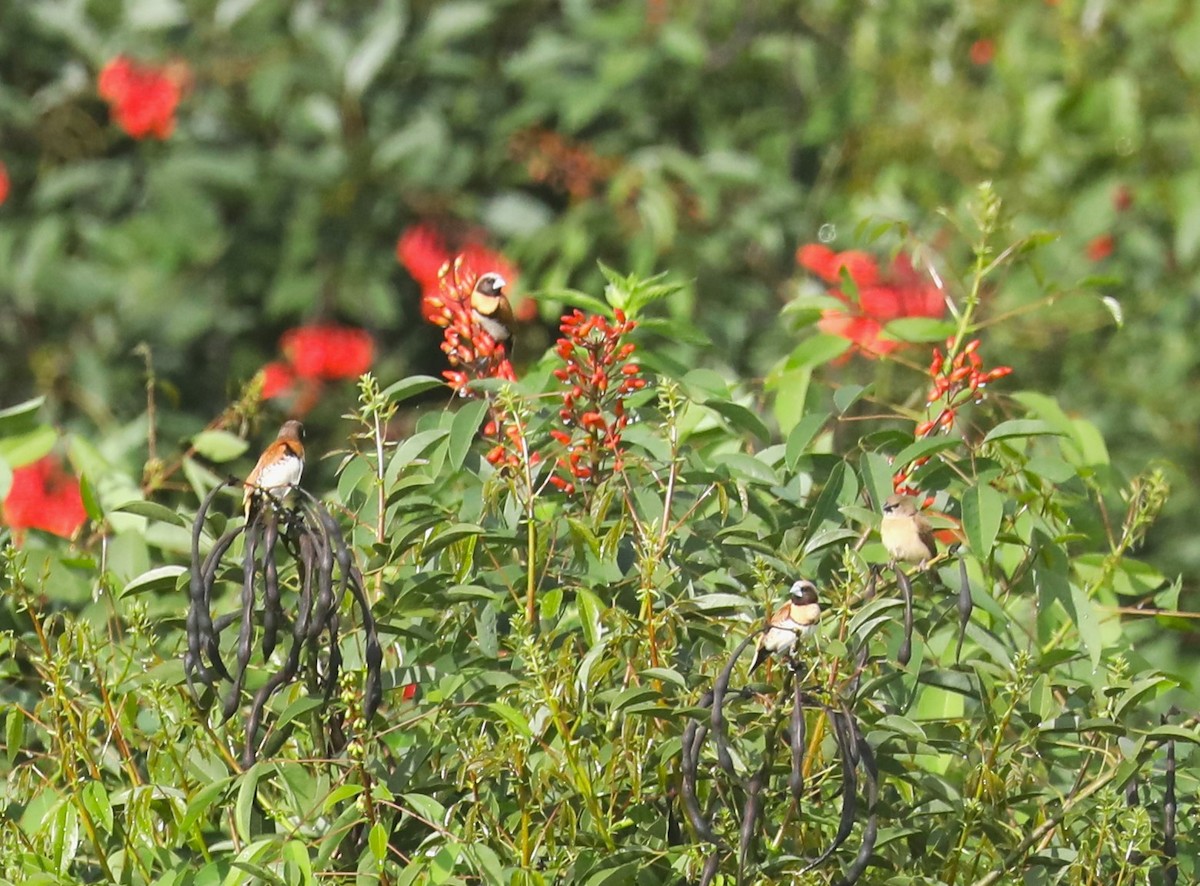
x=599, y=377
x=983, y=51
x=44, y=496
x=426, y=255
x=561, y=163
x=1101, y=247
x=881, y=298
x=956, y=382
x=313, y=355
x=143, y=98
x=3, y=182
x=467, y=345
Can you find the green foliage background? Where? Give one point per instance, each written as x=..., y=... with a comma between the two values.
x=314, y=133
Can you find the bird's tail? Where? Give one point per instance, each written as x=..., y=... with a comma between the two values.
x=760, y=655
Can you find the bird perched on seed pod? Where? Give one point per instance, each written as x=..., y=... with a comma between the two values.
x=794, y=620
x=905, y=532
x=490, y=307
x=278, y=469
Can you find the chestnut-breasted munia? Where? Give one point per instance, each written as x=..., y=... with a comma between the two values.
x=279, y=467
x=794, y=620
x=490, y=307
x=905, y=532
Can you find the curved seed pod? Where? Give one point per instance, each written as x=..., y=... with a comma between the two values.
x=1170, y=850
x=246, y=630
x=720, y=687
x=905, y=652
x=752, y=808
x=846, y=752
x=272, y=608
x=865, y=755
x=965, y=606
x=799, y=737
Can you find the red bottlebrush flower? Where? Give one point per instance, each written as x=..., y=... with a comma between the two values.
x=142, y=98
x=1101, y=247
x=3, y=182
x=422, y=251
x=44, y=496
x=983, y=51
x=327, y=351
x=277, y=379
x=881, y=299
x=827, y=264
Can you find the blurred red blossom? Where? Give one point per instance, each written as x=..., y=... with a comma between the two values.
x=142, y=98
x=597, y=376
x=1101, y=247
x=44, y=496
x=3, y=182
x=983, y=51
x=425, y=253
x=326, y=351
x=1122, y=198
x=901, y=292
x=277, y=379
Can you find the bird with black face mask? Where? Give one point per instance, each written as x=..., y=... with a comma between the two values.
x=905, y=532
x=278, y=469
x=791, y=622
x=490, y=308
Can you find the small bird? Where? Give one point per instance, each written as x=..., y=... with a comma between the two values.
x=795, y=619
x=279, y=467
x=905, y=532
x=490, y=307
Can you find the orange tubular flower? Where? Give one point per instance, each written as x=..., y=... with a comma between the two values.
x=143, y=98
x=425, y=253
x=597, y=377
x=44, y=496
x=901, y=292
x=954, y=382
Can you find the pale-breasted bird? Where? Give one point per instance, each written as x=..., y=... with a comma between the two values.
x=279, y=467
x=905, y=532
x=490, y=307
x=795, y=619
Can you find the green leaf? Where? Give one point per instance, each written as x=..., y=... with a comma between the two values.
x=847, y=395
x=590, y=611
x=463, y=430
x=512, y=716
x=426, y=807
x=1087, y=620
x=21, y=418
x=402, y=390
x=377, y=839
x=295, y=853
x=741, y=418
x=152, y=510
x=1020, y=427
x=219, y=446
x=982, y=513
x=923, y=447
x=801, y=437
x=91, y=502
x=14, y=733
x=816, y=351
x=200, y=803
x=918, y=329
x=876, y=473
x=747, y=467
x=161, y=578
x=383, y=32
x=25, y=448
x=247, y=790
